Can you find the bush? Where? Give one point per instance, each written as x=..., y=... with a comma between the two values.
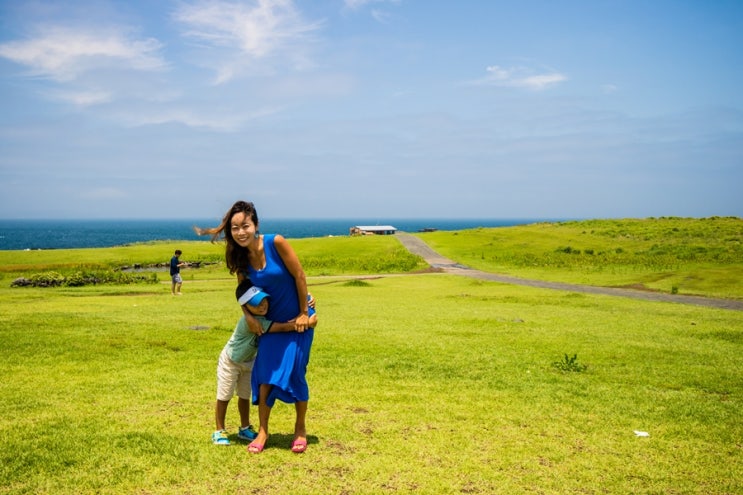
x=567, y=250
x=357, y=283
x=47, y=279
x=21, y=282
x=79, y=279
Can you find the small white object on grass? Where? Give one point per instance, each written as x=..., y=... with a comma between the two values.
x=642, y=433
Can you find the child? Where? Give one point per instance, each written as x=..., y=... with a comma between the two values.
x=236, y=361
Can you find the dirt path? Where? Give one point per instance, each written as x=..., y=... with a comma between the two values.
x=417, y=246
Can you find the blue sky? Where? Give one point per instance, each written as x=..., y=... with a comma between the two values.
x=371, y=108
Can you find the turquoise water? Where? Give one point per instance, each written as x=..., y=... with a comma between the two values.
x=64, y=234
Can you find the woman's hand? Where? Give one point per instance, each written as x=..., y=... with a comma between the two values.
x=302, y=322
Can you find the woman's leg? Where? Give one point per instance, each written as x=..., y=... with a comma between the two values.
x=300, y=428
x=264, y=414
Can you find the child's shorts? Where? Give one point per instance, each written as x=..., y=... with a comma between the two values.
x=233, y=377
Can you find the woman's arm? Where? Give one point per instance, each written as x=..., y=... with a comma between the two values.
x=291, y=261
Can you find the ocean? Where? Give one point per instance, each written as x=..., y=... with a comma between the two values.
x=68, y=234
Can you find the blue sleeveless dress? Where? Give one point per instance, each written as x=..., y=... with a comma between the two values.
x=282, y=357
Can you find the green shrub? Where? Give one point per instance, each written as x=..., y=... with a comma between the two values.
x=82, y=278
x=77, y=279
x=47, y=279
x=570, y=364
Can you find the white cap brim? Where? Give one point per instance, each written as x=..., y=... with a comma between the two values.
x=252, y=296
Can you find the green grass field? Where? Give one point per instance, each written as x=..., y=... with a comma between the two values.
x=420, y=383
x=681, y=255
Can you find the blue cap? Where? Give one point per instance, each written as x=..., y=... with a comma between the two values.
x=247, y=293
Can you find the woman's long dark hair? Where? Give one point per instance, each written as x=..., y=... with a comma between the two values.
x=235, y=256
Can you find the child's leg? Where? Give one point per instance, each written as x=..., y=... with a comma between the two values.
x=220, y=413
x=244, y=393
x=243, y=407
x=227, y=376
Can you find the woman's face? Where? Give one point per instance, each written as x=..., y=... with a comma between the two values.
x=242, y=229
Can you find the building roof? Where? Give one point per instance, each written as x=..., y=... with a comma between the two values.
x=372, y=228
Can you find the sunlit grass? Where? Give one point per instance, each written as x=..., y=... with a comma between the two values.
x=424, y=383
x=683, y=255
x=331, y=255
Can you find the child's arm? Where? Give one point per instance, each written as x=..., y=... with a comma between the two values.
x=277, y=327
x=254, y=325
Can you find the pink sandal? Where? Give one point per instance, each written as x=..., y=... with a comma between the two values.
x=255, y=447
x=299, y=446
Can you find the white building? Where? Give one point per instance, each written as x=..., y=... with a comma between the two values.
x=372, y=230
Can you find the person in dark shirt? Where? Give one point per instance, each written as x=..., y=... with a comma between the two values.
x=175, y=272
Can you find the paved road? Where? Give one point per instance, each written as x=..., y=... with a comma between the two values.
x=416, y=246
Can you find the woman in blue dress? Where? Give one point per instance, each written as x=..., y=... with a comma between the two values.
x=280, y=366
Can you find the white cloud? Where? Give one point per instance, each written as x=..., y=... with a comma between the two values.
x=540, y=81
x=519, y=77
x=381, y=16
x=63, y=54
x=195, y=118
x=82, y=98
x=104, y=68
x=270, y=31
x=357, y=4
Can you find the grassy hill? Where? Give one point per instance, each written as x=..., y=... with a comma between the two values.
x=423, y=383
x=679, y=255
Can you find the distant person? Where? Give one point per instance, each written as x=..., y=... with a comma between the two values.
x=175, y=272
x=236, y=361
x=280, y=367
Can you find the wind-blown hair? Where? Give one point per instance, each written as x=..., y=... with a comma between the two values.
x=235, y=256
